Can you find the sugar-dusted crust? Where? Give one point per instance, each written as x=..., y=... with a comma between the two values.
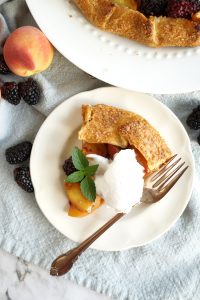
x=111, y=125
x=126, y=21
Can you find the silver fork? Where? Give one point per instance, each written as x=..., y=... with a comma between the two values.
x=156, y=186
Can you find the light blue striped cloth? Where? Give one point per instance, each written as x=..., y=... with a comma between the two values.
x=166, y=269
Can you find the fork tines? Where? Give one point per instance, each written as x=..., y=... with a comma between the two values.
x=168, y=175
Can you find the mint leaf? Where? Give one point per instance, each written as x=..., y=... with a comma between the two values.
x=79, y=160
x=88, y=189
x=75, y=177
x=90, y=170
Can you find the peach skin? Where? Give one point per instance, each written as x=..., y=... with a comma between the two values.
x=27, y=51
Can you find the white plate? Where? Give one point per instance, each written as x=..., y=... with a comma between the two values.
x=53, y=144
x=113, y=59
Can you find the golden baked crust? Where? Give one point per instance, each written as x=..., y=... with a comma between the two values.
x=111, y=125
x=130, y=23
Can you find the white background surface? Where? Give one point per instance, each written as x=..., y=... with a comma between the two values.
x=23, y=281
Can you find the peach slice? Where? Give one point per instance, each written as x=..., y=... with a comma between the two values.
x=74, y=212
x=112, y=150
x=27, y=51
x=99, y=149
x=77, y=199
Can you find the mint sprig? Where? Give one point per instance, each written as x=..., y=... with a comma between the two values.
x=91, y=170
x=84, y=174
x=88, y=188
x=75, y=177
x=79, y=160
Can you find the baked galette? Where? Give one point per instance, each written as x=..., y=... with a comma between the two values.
x=155, y=23
x=105, y=131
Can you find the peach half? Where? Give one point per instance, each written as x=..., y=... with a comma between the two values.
x=27, y=51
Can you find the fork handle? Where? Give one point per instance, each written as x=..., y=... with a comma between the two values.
x=63, y=263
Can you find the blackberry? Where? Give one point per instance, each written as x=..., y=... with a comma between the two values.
x=30, y=91
x=18, y=153
x=152, y=8
x=193, y=123
x=198, y=139
x=68, y=166
x=182, y=8
x=196, y=109
x=3, y=66
x=193, y=120
x=23, y=178
x=10, y=92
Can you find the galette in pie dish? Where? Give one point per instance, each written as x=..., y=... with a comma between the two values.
x=119, y=148
x=155, y=23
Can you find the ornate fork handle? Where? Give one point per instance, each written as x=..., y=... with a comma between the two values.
x=63, y=263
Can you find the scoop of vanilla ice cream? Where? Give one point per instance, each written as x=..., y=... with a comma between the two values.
x=119, y=182
x=99, y=160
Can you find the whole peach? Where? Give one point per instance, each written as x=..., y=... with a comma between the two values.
x=27, y=51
